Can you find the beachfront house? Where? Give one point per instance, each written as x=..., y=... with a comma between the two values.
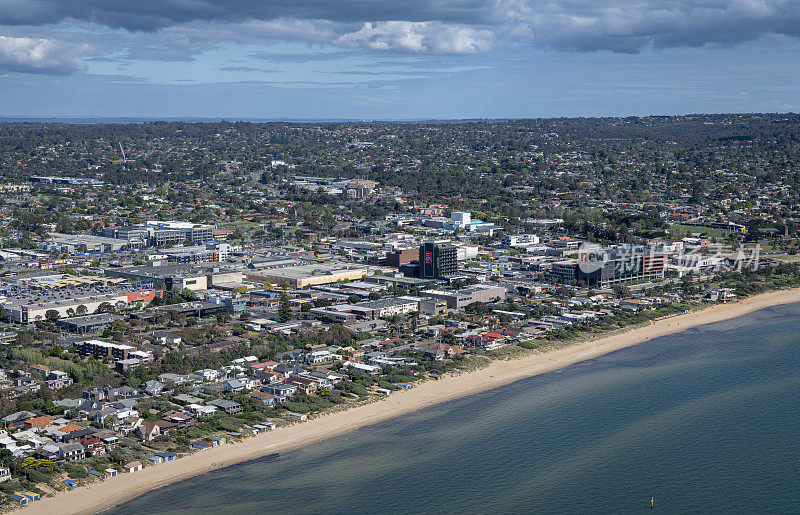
x=281, y=390
x=202, y=411
x=361, y=368
x=264, y=398
x=229, y=407
x=147, y=431
x=71, y=451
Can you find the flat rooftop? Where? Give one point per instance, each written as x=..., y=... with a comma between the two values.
x=313, y=270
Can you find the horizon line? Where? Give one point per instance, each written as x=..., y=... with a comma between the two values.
x=234, y=119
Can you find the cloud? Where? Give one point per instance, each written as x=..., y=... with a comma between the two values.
x=38, y=55
x=285, y=57
x=417, y=37
x=630, y=25
x=150, y=15
x=244, y=69
x=180, y=30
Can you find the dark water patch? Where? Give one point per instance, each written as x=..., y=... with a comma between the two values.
x=705, y=421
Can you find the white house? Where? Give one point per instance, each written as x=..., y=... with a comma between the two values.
x=202, y=411
x=320, y=356
x=361, y=368
x=208, y=374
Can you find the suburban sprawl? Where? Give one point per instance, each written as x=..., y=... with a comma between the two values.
x=168, y=288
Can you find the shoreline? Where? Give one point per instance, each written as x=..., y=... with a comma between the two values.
x=124, y=487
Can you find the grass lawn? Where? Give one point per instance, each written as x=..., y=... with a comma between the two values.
x=693, y=229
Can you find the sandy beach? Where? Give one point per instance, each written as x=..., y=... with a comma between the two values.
x=116, y=490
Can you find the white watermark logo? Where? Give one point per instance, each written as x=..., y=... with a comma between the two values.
x=632, y=260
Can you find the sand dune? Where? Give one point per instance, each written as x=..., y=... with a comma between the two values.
x=126, y=486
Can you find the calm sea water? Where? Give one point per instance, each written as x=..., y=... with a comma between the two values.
x=705, y=421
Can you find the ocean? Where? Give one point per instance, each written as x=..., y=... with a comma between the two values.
x=704, y=421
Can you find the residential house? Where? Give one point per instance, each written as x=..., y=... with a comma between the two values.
x=317, y=357
x=331, y=377
x=282, y=391
x=147, y=431
x=18, y=418
x=57, y=379
x=71, y=451
x=266, y=365
x=37, y=423
x=208, y=374
x=361, y=368
x=306, y=385
x=93, y=445
x=202, y=411
x=166, y=338
x=229, y=407
x=265, y=398
x=153, y=387
x=179, y=418
x=232, y=385
x=268, y=377
x=77, y=435
x=165, y=426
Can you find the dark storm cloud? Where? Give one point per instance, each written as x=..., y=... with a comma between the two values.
x=179, y=30
x=630, y=25
x=584, y=25
x=149, y=15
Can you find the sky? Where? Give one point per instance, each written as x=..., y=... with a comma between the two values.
x=396, y=59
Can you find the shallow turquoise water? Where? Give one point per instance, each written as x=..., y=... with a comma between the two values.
x=705, y=421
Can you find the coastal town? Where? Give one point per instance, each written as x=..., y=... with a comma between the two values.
x=166, y=289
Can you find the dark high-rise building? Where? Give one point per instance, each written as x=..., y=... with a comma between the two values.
x=437, y=260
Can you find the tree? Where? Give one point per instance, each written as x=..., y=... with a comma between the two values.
x=321, y=303
x=621, y=291
x=284, y=308
x=52, y=315
x=105, y=307
x=188, y=295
